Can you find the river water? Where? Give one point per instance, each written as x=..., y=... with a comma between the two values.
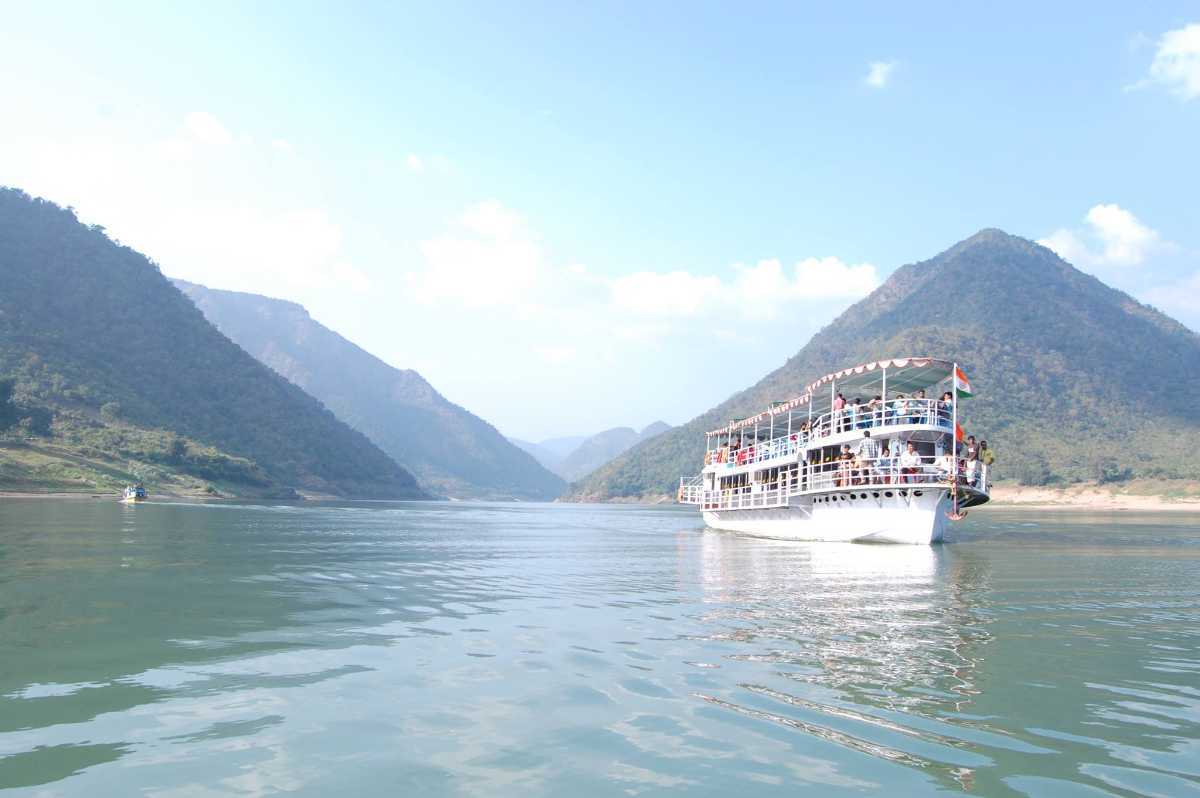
x=547, y=650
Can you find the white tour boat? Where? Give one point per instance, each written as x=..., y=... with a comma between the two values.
x=891, y=469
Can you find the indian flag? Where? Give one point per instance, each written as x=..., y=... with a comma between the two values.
x=962, y=386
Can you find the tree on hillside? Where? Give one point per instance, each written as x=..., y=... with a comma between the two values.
x=8, y=410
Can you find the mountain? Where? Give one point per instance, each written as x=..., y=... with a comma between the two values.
x=550, y=452
x=116, y=373
x=602, y=447
x=450, y=450
x=1074, y=380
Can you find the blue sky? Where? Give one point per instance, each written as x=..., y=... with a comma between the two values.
x=569, y=218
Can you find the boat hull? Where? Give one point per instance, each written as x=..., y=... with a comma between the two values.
x=846, y=517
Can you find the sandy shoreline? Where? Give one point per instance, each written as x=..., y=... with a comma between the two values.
x=1088, y=498
x=1138, y=496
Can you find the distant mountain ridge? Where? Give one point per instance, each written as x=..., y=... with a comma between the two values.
x=451, y=451
x=1074, y=380
x=550, y=452
x=603, y=447
x=574, y=457
x=131, y=372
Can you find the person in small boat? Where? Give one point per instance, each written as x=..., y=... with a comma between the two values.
x=910, y=463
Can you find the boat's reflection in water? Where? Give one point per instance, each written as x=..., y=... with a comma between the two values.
x=865, y=645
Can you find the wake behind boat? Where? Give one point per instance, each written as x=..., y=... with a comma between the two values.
x=893, y=468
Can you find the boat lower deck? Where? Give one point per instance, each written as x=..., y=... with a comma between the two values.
x=854, y=515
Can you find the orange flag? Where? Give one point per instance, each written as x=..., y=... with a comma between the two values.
x=958, y=433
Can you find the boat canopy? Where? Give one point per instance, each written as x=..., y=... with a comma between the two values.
x=903, y=374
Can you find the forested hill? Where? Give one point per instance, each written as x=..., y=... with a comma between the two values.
x=1074, y=380
x=129, y=369
x=450, y=450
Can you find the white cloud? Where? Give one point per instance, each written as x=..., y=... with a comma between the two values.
x=491, y=258
x=1113, y=237
x=1176, y=64
x=414, y=163
x=754, y=292
x=283, y=145
x=879, y=73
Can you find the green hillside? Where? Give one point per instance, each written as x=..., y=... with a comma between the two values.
x=1074, y=380
x=116, y=372
x=450, y=450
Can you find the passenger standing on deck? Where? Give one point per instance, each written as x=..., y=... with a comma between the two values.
x=875, y=411
x=923, y=408
x=868, y=455
x=843, y=466
x=910, y=463
x=946, y=408
x=839, y=406
x=971, y=453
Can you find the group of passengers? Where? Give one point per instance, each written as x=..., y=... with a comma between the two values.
x=871, y=463
x=901, y=409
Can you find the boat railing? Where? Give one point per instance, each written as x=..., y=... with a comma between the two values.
x=893, y=413
x=879, y=474
x=691, y=489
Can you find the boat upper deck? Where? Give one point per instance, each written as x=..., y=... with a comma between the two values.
x=831, y=429
x=893, y=393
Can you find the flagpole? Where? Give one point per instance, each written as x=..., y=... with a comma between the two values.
x=954, y=422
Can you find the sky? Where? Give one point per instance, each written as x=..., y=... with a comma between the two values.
x=569, y=217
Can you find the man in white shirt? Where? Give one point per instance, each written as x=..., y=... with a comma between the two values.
x=945, y=465
x=910, y=462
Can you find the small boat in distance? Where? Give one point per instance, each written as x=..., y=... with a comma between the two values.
x=134, y=493
x=872, y=453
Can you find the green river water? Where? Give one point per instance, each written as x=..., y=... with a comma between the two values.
x=561, y=650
